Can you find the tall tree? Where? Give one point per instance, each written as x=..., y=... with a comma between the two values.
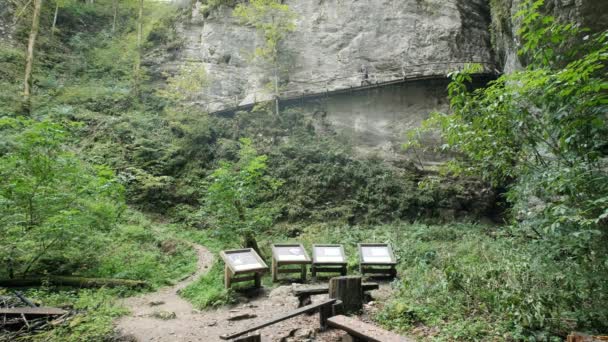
x=234, y=200
x=274, y=21
x=140, y=29
x=29, y=62
x=115, y=10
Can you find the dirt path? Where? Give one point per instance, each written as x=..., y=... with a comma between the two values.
x=188, y=324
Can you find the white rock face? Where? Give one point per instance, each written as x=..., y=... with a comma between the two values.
x=336, y=43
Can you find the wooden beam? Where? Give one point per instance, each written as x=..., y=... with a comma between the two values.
x=289, y=315
x=72, y=281
x=364, y=331
x=29, y=311
x=325, y=289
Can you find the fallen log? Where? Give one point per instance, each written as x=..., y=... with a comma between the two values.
x=24, y=300
x=72, y=281
x=32, y=312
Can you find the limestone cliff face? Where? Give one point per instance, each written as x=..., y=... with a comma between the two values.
x=592, y=14
x=7, y=28
x=336, y=43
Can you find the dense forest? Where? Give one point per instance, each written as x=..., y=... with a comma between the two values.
x=110, y=169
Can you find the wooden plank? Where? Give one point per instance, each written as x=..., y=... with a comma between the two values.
x=72, y=281
x=364, y=331
x=325, y=289
x=290, y=270
x=373, y=270
x=289, y=315
x=242, y=279
x=328, y=269
x=29, y=311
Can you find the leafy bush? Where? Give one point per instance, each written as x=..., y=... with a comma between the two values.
x=542, y=134
x=54, y=209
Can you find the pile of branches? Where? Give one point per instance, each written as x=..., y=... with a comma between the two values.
x=20, y=317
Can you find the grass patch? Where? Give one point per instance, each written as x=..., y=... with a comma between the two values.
x=208, y=291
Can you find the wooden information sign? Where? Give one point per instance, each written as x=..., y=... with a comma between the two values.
x=328, y=258
x=377, y=258
x=289, y=254
x=243, y=261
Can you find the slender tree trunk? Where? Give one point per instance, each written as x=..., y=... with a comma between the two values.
x=115, y=4
x=55, y=19
x=137, y=68
x=27, y=80
x=276, y=81
x=249, y=240
x=276, y=92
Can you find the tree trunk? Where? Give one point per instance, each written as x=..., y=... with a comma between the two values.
x=349, y=290
x=27, y=80
x=72, y=281
x=137, y=68
x=276, y=93
x=115, y=4
x=55, y=19
x=251, y=242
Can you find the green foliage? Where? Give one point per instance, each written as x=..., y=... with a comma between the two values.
x=53, y=206
x=468, y=283
x=143, y=250
x=542, y=134
x=272, y=19
x=209, y=291
x=541, y=131
x=234, y=200
x=186, y=85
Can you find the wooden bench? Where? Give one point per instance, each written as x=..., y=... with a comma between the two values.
x=361, y=331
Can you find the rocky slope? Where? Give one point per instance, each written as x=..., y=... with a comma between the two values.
x=336, y=42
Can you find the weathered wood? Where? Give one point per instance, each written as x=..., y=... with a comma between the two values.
x=250, y=338
x=337, y=308
x=290, y=270
x=227, y=276
x=24, y=300
x=29, y=311
x=348, y=289
x=289, y=315
x=378, y=270
x=325, y=312
x=364, y=331
x=72, y=281
x=580, y=337
x=243, y=279
x=339, y=269
x=279, y=260
x=325, y=289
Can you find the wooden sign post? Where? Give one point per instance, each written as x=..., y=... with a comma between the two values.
x=289, y=254
x=243, y=261
x=328, y=258
x=377, y=258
